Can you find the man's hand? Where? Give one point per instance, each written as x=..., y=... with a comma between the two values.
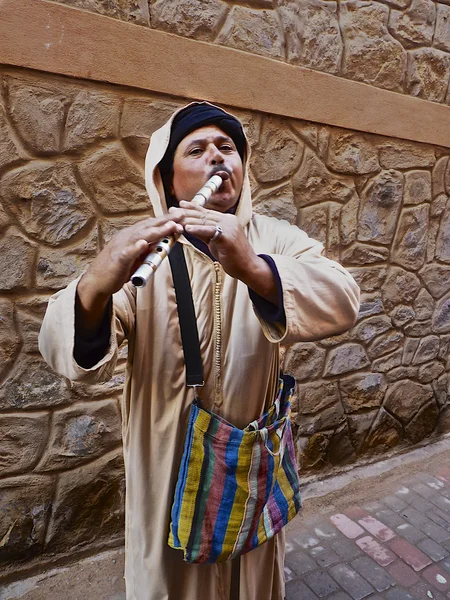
x=115, y=264
x=231, y=248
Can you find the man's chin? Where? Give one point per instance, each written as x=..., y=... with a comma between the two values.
x=221, y=202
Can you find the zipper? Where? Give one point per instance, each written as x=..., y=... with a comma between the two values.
x=217, y=335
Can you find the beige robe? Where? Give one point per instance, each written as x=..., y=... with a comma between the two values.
x=240, y=354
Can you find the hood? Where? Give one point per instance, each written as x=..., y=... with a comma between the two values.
x=153, y=182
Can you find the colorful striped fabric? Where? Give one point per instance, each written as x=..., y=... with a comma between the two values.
x=236, y=488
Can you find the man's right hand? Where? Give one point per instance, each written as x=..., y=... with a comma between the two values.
x=116, y=263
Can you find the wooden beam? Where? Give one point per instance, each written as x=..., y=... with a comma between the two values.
x=41, y=35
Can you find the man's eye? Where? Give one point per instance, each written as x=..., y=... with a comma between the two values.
x=226, y=147
x=195, y=151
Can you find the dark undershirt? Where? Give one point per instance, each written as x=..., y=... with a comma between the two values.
x=88, y=351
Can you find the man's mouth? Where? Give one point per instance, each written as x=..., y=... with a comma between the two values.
x=224, y=174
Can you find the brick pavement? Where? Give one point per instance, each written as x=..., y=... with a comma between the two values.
x=395, y=546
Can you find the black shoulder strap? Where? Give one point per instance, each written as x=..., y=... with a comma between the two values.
x=186, y=316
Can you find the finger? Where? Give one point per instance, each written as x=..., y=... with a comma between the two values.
x=205, y=232
x=154, y=234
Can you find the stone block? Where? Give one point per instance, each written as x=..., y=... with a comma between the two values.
x=374, y=574
x=17, y=256
x=56, y=269
x=359, y=425
x=415, y=25
x=410, y=243
x=47, y=201
x=370, y=305
x=387, y=363
x=140, y=118
x=10, y=341
x=29, y=327
x=81, y=433
x=406, y=155
x=314, y=397
x=312, y=34
x=9, y=149
x=321, y=583
x=403, y=373
x=363, y=254
x=441, y=317
x=423, y=305
x=428, y=74
x=376, y=551
x=277, y=202
x=326, y=420
x=368, y=329
x=369, y=279
x=401, y=315
x=427, y=350
x=114, y=179
x=381, y=202
x=92, y=116
x=405, y=398
x=438, y=176
x=134, y=11
x=371, y=54
x=385, y=434
x=423, y=423
x=87, y=496
x=400, y=287
x=305, y=361
x=26, y=503
x=255, y=31
x=347, y=526
x=345, y=359
x=442, y=32
x=198, y=20
x=443, y=238
x=385, y=343
x=418, y=329
x=313, y=453
x=409, y=350
x=111, y=226
x=279, y=152
x=22, y=441
x=438, y=206
x=351, y=153
x=349, y=221
x=412, y=556
x=321, y=222
x=417, y=187
x=351, y=581
x=314, y=183
x=32, y=385
x=362, y=391
x=37, y=109
x=436, y=278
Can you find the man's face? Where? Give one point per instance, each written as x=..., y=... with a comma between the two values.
x=198, y=156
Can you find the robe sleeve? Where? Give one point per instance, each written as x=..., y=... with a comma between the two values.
x=57, y=335
x=320, y=297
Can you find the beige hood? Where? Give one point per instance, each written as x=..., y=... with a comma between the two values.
x=153, y=182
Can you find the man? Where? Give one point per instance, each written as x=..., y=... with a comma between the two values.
x=255, y=282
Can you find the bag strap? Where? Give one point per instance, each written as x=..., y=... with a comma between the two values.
x=186, y=316
x=235, y=578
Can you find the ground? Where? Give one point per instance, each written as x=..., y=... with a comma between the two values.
x=379, y=531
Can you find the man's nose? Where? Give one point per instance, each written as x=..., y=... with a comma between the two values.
x=216, y=156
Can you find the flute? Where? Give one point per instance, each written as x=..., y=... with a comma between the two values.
x=153, y=260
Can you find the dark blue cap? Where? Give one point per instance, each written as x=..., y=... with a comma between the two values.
x=200, y=115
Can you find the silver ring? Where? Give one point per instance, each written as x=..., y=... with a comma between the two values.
x=218, y=232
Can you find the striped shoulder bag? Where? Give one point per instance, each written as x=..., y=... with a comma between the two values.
x=236, y=488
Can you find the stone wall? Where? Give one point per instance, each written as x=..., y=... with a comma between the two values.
x=71, y=174
x=399, y=45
